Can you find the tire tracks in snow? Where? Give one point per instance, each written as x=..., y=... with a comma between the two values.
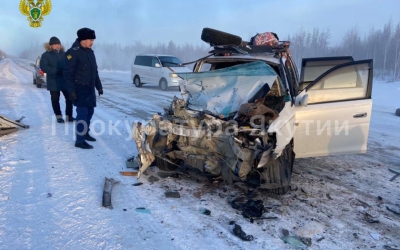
x=39, y=138
x=6, y=73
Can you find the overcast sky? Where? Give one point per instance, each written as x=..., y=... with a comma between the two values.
x=153, y=21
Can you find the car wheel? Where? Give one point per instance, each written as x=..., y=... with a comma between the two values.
x=137, y=82
x=216, y=37
x=38, y=84
x=277, y=174
x=163, y=84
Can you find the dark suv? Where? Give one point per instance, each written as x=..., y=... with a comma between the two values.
x=39, y=77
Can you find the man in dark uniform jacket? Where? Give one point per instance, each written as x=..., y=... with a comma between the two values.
x=82, y=80
x=52, y=63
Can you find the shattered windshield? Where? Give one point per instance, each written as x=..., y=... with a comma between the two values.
x=169, y=61
x=257, y=68
x=221, y=92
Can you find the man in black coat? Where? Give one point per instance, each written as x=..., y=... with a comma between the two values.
x=82, y=79
x=52, y=63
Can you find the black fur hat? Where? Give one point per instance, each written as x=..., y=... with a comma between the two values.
x=85, y=33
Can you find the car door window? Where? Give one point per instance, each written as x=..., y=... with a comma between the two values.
x=349, y=81
x=154, y=60
x=314, y=67
x=311, y=68
x=146, y=61
x=139, y=60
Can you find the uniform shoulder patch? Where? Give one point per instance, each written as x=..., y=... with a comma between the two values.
x=69, y=56
x=75, y=48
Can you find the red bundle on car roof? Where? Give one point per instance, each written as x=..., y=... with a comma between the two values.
x=266, y=38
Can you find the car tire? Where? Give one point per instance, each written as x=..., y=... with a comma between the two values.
x=216, y=37
x=38, y=85
x=163, y=84
x=277, y=174
x=398, y=112
x=137, y=82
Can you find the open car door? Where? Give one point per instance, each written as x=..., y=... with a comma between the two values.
x=311, y=68
x=333, y=112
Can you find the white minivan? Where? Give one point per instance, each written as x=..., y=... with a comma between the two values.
x=157, y=69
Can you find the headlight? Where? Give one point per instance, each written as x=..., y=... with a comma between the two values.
x=173, y=75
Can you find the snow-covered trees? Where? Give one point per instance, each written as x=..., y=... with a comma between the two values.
x=381, y=45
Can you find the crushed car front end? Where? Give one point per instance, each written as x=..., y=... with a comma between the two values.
x=228, y=123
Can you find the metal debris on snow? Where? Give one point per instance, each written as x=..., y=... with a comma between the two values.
x=172, y=195
x=238, y=231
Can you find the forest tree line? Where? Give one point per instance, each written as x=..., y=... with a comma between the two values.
x=382, y=45
x=114, y=56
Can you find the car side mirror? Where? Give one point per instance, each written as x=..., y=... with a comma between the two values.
x=32, y=65
x=302, y=100
x=157, y=65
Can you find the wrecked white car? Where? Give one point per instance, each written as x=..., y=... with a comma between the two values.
x=245, y=113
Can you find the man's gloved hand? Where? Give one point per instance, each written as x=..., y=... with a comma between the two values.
x=100, y=92
x=72, y=96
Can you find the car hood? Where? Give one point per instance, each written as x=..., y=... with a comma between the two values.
x=222, y=92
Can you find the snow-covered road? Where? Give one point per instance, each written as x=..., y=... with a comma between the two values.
x=51, y=192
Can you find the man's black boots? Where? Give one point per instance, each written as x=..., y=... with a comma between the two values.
x=83, y=145
x=89, y=138
x=59, y=119
x=70, y=119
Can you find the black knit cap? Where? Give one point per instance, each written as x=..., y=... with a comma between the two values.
x=85, y=33
x=54, y=40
